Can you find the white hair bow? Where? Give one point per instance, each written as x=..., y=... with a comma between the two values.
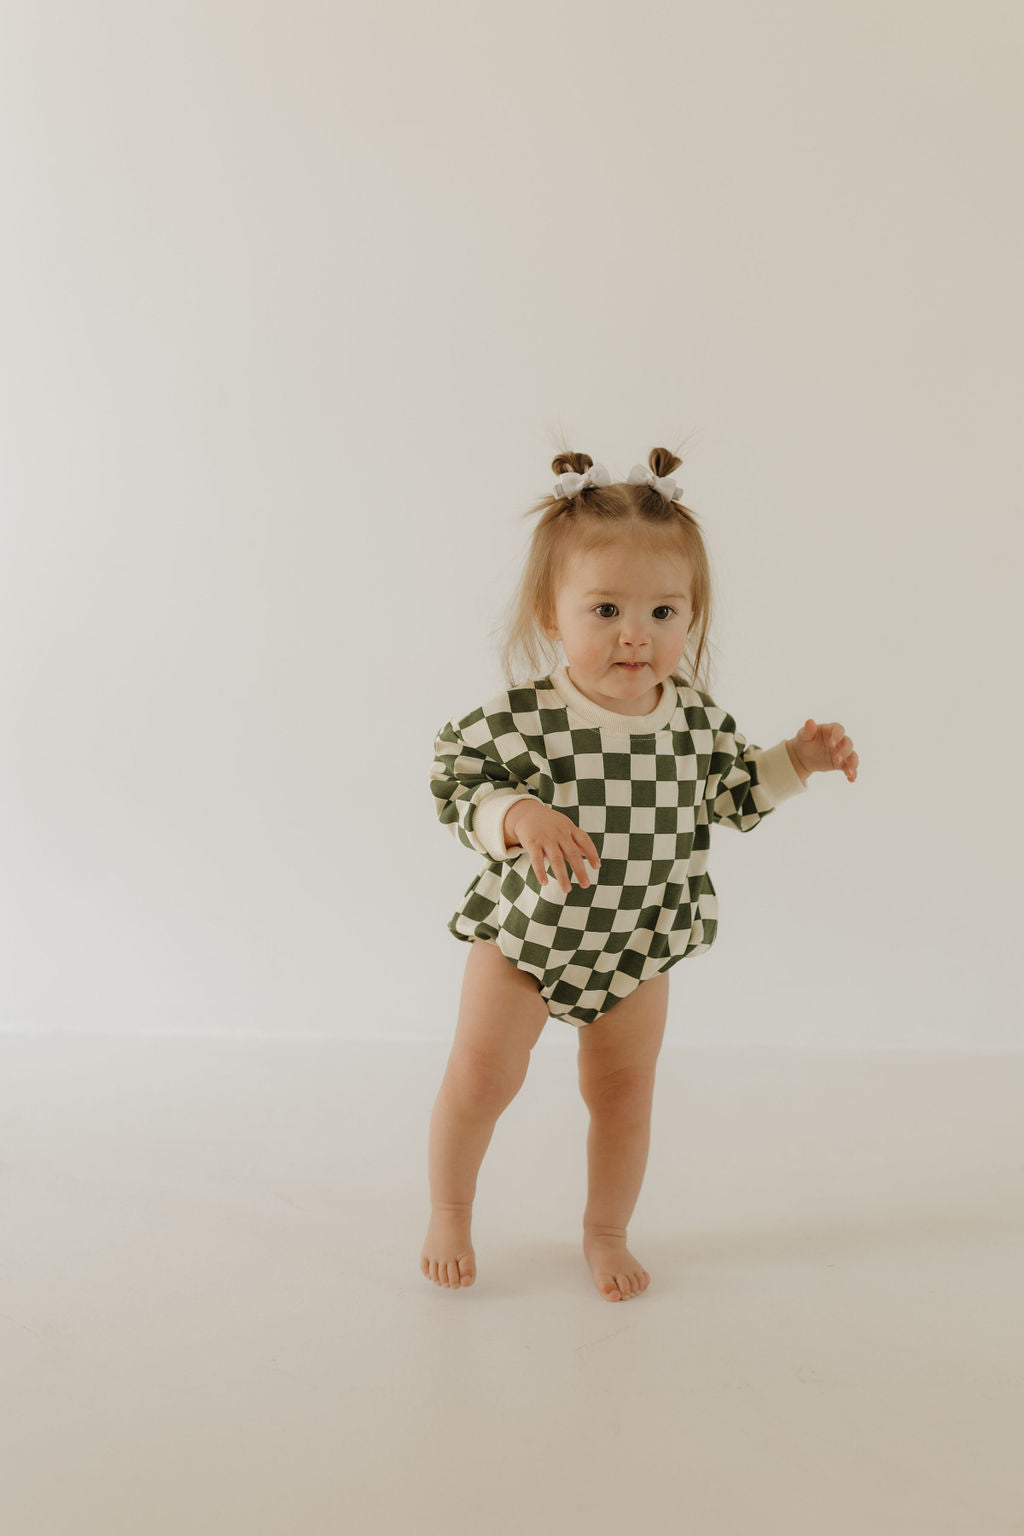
x=570, y=483
x=641, y=475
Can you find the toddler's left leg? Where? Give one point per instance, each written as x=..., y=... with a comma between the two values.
x=618, y=1055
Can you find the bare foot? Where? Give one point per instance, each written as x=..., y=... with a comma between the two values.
x=617, y=1275
x=448, y=1257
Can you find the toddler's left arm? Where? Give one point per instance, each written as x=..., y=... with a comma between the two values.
x=819, y=748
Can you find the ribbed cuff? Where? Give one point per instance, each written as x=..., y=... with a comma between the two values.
x=776, y=773
x=487, y=820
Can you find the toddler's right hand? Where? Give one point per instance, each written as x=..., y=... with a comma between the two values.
x=550, y=838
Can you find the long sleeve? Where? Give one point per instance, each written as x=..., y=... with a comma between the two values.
x=473, y=790
x=746, y=782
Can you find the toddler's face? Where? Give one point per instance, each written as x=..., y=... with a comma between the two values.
x=623, y=604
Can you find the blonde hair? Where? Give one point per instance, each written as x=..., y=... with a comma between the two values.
x=596, y=517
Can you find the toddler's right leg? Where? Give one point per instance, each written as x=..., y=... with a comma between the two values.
x=501, y=1015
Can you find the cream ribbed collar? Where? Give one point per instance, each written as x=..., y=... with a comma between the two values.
x=610, y=720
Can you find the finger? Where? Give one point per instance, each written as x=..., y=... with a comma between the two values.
x=557, y=863
x=575, y=857
x=537, y=863
x=588, y=850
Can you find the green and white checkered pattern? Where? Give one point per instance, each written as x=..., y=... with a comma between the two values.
x=647, y=801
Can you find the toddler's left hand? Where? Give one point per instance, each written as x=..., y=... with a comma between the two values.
x=820, y=748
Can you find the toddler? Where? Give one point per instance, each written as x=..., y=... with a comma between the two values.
x=611, y=768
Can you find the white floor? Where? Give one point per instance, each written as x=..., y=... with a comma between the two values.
x=212, y=1318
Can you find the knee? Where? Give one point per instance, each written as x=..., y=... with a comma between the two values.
x=486, y=1081
x=627, y=1095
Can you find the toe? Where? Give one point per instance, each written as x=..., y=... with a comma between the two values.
x=466, y=1271
x=609, y=1288
x=622, y=1281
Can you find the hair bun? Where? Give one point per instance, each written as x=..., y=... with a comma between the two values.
x=570, y=484
x=663, y=484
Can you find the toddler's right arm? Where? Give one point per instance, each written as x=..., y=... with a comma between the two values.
x=471, y=781
x=472, y=787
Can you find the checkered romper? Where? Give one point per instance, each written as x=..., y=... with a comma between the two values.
x=646, y=788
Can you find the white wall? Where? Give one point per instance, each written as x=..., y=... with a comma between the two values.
x=297, y=302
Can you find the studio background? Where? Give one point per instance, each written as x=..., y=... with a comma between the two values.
x=299, y=305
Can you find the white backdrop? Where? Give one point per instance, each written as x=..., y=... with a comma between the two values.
x=297, y=305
